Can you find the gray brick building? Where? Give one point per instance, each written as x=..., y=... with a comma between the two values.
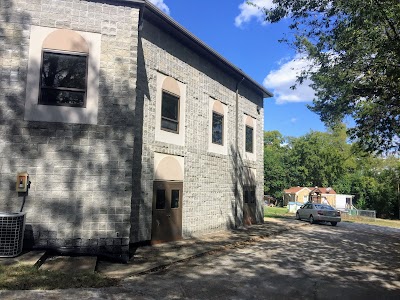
x=131, y=129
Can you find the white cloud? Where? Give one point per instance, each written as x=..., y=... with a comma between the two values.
x=282, y=79
x=161, y=5
x=248, y=12
x=293, y=120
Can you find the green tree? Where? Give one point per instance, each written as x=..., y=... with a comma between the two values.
x=275, y=167
x=317, y=159
x=387, y=174
x=273, y=138
x=327, y=159
x=355, y=50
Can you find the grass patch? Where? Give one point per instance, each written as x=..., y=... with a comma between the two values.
x=369, y=221
x=276, y=212
x=25, y=277
x=282, y=212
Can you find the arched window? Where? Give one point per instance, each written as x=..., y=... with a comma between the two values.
x=64, y=69
x=170, y=105
x=63, y=76
x=249, y=135
x=217, y=131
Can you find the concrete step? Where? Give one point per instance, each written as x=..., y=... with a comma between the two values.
x=28, y=258
x=70, y=264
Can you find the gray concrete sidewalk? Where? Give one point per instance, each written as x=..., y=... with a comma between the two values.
x=152, y=258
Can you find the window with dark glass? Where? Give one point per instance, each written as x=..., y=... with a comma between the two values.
x=160, y=199
x=246, y=196
x=217, y=128
x=253, y=196
x=249, y=139
x=170, y=112
x=175, y=199
x=63, y=79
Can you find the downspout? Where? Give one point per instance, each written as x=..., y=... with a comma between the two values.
x=236, y=156
x=141, y=13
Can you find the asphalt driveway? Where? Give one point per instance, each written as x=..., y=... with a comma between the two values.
x=350, y=261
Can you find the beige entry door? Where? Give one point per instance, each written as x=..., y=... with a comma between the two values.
x=249, y=205
x=167, y=212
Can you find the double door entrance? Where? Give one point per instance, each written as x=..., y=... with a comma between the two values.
x=167, y=211
x=249, y=205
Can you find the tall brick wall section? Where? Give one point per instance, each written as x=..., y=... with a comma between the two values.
x=81, y=175
x=208, y=195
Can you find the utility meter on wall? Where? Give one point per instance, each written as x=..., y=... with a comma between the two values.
x=22, y=182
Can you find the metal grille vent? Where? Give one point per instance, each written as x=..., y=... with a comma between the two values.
x=12, y=226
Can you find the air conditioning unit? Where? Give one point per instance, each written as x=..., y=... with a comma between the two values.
x=12, y=227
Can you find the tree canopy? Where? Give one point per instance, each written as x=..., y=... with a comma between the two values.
x=354, y=47
x=325, y=159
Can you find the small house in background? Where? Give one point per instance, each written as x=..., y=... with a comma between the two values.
x=296, y=194
x=301, y=195
x=323, y=195
x=344, y=202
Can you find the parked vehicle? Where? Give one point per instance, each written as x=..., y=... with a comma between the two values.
x=315, y=213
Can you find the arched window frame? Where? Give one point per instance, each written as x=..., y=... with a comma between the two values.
x=34, y=111
x=62, y=53
x=217, y=114
x=170, y=95
x=167, y=85
x=219, y=109
x=249, y=134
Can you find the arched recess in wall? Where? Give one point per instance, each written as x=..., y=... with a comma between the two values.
x=169, y=169
x=250, y=122
x=66, y=40
x=171, y=85
x=218, y=107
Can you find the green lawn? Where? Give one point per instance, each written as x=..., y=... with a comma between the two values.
x=24, y=277
x=377, y=221
x=282, y=212
x=276, y=212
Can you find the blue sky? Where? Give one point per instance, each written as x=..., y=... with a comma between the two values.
x=237, y=31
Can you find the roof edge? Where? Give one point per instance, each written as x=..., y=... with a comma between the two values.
x=154, y=9
x=125, y=2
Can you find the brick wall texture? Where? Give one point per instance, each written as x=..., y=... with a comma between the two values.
x=81, y=174
x=92, y=185
x=209, y=178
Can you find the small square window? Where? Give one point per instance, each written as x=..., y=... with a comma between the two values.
x=160, y=199
x=246, y=196
x=217, y=128
x=63, y=79
x=249, y=194
x=170, y=113
x=175, y=199
x=253, y=196
x=249, y=139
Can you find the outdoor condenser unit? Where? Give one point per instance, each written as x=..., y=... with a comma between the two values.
x=12, y=226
